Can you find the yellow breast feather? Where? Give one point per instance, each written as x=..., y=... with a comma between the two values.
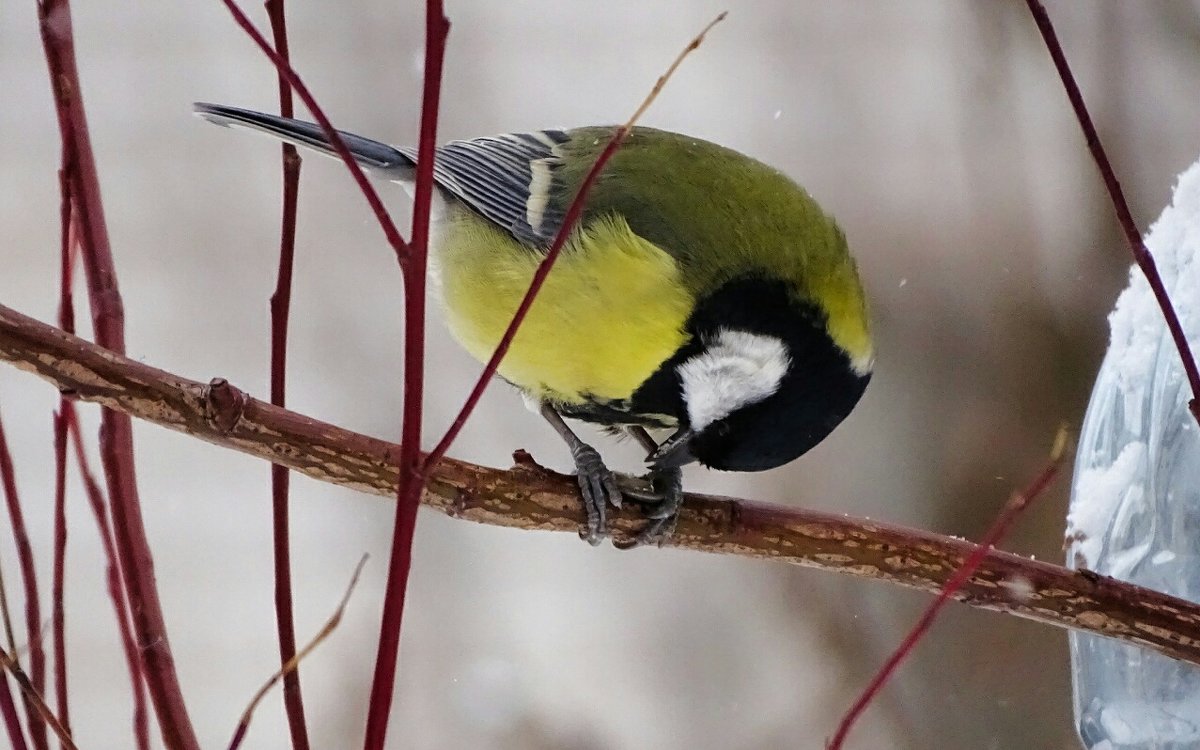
x=611, y=310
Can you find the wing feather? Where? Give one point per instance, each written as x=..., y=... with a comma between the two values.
x=508, y=179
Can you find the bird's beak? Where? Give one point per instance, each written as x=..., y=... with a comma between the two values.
x=675, y=452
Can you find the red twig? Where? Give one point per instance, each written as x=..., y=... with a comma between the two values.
x=66, y=421
x=408, y=493
x=289, y=74
x=12, y=722
x=999, y=529
x=66, y=321
x=280, y=478
x=58, y=611
x=9, y=635
x=8, y=709
x=45, y=715
x=68, y=243
x=116, y=591
x=1133, y=238
x=243, y=726
x=574, y=210
x=412, y=479
x=33, y=615
x=116, y=432
x=412, y=262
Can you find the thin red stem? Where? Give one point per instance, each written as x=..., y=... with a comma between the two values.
x=8, y=709
x=1133, y=237
x=408, y=493
x=58, y=612
x=66, y=321
x=243, y=725
x=999, y=529
x=44, y=713
x=280, y=478
x=69, y=250
x=68, y=244
x=33, y=615
x=412, y=263
x=335, y=139
x=116, y=591
x=116, y=431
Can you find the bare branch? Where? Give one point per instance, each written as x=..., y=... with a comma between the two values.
x=1133, y=237
x=112, y=577
x=292, y=664
x=33, y=617
x=1015, y=506
x=8, y=662
x=531, y=497
x=281, y=302
x=116, y=431
x=411, y=482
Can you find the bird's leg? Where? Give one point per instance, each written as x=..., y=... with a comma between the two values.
x=663, y=501
x=638, y=433
x=597, y=484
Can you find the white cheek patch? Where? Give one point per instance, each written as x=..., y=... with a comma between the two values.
x=736, y=369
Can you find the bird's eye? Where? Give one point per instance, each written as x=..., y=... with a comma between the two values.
x=721, y=429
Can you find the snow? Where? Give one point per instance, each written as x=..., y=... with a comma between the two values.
x=1136, y=322
x=1151, y=723
x=1163, y=557
x=1104, y=487
x=1121, y=563
x=1019, y=588
x=1137, y=329
x=1136, y=482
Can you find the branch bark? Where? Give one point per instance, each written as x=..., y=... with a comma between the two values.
x=528, y=496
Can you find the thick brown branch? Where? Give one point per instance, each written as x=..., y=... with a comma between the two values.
x=531, y=497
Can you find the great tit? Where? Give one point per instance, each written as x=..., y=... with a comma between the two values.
x=702, y=291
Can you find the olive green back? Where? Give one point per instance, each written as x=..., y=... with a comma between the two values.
x=720, y=213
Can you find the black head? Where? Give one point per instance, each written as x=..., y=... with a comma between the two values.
x=761, y=381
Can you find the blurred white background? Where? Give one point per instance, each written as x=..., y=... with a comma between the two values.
x=935, y=131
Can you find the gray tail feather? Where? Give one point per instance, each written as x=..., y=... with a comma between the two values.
x=368, y=153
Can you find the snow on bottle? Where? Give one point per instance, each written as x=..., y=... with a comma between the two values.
x=1135, y=498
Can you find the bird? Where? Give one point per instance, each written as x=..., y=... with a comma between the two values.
x=701, y=292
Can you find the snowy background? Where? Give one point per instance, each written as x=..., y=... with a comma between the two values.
x=938, y=135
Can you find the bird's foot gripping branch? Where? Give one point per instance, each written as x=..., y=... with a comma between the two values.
x=528, y=496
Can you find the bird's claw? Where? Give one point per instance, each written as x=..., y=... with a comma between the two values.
x=638, y=489
x=662, y=506
x=660, y=492
x=599, y=488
